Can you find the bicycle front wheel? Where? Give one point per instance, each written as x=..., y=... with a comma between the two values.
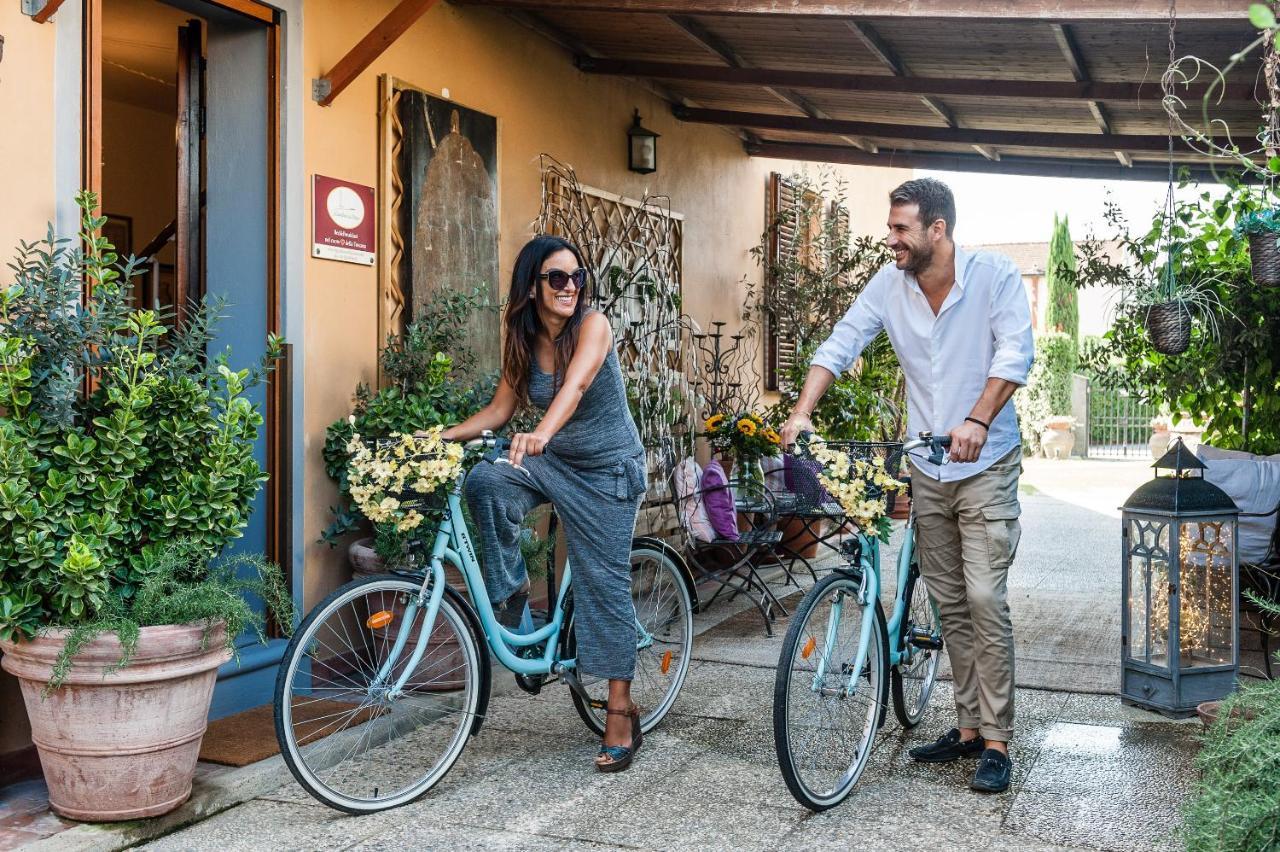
x=348, y=740
x=921, y=643
x=825, y=715
x=664, y=637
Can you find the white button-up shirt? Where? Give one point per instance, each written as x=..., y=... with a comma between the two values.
x=982, y=331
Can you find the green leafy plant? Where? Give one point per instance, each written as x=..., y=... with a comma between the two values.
x=1237, y=799
x=1224, y=381
x=807, y=289
x=93, y=486
x=1063, y=313
x=425, y=387
x=1257, y=222
x=183, y=587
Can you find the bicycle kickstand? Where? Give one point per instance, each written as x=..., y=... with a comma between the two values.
x=570, y=677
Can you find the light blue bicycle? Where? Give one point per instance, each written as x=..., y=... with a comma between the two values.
x=840, y=654
x=388, y=677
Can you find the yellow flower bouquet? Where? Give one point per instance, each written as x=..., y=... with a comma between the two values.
x=746, y=435
x=861, y=487
x=393, y=480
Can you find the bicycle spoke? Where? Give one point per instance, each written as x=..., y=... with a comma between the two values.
x=351, y=741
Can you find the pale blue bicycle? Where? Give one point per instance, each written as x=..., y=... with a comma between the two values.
x=841, y=658
x=388, y=677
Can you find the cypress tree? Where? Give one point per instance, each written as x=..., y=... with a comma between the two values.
x=1063, y=312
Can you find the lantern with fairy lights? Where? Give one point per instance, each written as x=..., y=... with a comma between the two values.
x=1179, y=633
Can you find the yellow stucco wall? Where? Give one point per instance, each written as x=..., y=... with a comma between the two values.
x=544, y=105
x=26, y=205
x=487, y=62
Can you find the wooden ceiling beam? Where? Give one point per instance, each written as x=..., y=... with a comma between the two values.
x=383, y=35
x=1041, y=166
x=1070, y=49
x=712, y=42
x=47, y=11
x=895, y=84
x=584, y=52
x=917, y=133
x=1029, y=10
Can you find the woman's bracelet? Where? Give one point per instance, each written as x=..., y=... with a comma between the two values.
x=986, y=426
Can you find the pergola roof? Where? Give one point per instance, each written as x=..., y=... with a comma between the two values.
x=1031, y=87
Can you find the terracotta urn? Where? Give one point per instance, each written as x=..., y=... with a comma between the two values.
x=120, y=745
x=1159, y=442
x=1057, y=443
x=443, y=656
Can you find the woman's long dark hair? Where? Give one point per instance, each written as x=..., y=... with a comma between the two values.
x=521, y=322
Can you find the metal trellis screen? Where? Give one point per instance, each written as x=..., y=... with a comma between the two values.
x=1119, y=424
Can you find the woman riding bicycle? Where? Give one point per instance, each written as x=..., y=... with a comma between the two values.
x=584, y=457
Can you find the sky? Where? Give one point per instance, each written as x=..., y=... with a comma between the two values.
x=1016, y=209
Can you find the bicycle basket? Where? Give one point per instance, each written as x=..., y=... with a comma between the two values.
x=889, y=452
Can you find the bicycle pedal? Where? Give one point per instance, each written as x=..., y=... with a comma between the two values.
x=924, y=639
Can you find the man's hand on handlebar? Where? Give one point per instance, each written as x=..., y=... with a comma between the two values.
x=797, y=423
x=967, y=441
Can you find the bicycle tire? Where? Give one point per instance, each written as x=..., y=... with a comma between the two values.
x=804, y=780
x=658, y=677
x=329, y=764
x=910, y=703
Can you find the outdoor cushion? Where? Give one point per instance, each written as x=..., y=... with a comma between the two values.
x=775, y=468
x=1206, y=452
x=1255, y=488
x=718, y=498
x=693, y=514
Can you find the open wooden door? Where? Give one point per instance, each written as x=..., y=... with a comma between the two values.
x=189, y=270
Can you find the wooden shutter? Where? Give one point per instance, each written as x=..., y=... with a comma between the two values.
x=784, y=205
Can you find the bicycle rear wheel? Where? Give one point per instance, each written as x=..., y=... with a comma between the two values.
x=913, y=678
x=822, y=735
x=347, y=741
x=664, y=632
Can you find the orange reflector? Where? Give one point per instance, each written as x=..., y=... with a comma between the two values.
x=379, y=619
x=808, y=647
x=666, y=662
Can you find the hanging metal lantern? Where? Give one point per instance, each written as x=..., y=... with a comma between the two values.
x=642, y=147
x=1180, y=627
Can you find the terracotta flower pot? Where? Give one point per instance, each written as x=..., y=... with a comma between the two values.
x=120, y=745
x=443, y=654
x=798, y=538
x=1057, y=443
x=1208, y=713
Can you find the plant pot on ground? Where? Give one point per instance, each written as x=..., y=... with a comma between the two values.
x=114, y=504
x=1058, y=437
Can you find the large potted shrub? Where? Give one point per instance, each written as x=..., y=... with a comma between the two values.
x=113, y=502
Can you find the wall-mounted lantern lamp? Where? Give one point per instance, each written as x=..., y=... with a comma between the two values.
x=642, y=147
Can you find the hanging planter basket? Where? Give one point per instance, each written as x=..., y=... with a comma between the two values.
x=1264, y=257
x=1169, y=327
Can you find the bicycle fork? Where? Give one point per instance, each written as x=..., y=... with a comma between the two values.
x=864, y=598
x=430, y=594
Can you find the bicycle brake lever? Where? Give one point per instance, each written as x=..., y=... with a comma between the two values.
x=521, y=468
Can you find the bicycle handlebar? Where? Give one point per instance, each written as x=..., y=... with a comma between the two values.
x=936, y=444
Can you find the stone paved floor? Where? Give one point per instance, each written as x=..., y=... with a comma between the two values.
x=708, y=779
x=1089, y=773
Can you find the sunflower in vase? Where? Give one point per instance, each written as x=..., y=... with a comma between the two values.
x=744, y=437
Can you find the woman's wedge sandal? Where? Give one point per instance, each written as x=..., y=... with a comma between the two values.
x=618, y=758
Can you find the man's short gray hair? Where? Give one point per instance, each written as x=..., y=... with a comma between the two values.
x=933, y=197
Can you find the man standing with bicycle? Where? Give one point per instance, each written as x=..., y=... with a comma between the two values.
x=961, y=327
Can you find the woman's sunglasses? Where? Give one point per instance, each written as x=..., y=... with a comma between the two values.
x=559, y=279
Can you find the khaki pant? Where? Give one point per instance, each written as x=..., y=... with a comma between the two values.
x=967, y=532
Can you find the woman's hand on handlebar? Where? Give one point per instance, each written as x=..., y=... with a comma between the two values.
x=526, y=444
x=967, y=441
x=797, y=423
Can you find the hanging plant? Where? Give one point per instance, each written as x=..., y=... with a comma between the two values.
x=1262, y=229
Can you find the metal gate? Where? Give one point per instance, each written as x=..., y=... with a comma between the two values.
x=1119, y=425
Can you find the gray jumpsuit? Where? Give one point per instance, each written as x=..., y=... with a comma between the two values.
x=593, y=472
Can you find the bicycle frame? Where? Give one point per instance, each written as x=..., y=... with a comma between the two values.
x=868, y=594
x=453, y=545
